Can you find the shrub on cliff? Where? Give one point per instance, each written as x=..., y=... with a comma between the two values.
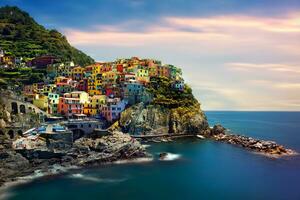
x=165, y=95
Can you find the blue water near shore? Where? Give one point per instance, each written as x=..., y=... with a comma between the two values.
x=204, y=169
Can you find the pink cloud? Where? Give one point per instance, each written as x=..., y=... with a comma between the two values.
x=219, y=33
x=288, y=24
x=275, y=67
x=270, y=47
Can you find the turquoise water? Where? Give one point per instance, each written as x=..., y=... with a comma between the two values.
x=204, y=170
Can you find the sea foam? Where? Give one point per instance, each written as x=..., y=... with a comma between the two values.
x=96, y=179
x=146, y=145
x=171, y=156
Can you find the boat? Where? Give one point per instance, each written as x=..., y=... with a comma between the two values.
x=200, y=136
x=29, y=131
x=53, y=119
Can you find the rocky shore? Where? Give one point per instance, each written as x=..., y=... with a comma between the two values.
x=268, y=148
x=85, y=152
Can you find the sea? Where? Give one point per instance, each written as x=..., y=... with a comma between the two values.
x=194, y=169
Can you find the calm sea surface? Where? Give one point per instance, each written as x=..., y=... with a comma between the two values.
x=196, y=170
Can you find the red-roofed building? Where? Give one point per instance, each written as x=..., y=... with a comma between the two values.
x=120, y=68
x=42, y=61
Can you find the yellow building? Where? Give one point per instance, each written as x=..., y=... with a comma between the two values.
x=41, y=101
x=49, y=88
x=93, y=106
x=97, y=68
x=142, y=75
x=109, y=77
x=38, y=87
x=92, y=90
x=94, y=80
x=62, y=79
x=153, y=71
x=98, y=81
x=77, y=73
x=7, y=59
x=65, y=70
x=131, y=69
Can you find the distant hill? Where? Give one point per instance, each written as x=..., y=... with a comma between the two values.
x=23, y=37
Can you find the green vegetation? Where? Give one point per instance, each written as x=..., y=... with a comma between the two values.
x=164, y=94
x=21, y=36
x=20, y=76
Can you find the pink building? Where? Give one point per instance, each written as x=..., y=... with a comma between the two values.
x=72, y=103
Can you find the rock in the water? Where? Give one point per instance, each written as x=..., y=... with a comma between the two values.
x=163, y=155
x=217, y=129
x=118, y=146
x=262, y=146
x=11, y=165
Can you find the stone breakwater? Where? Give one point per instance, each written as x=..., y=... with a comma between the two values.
x=269, y=148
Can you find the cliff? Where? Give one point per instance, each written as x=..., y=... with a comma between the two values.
x=156, y=119
x=170, y=111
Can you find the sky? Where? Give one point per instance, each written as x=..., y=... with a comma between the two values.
x=235, y=54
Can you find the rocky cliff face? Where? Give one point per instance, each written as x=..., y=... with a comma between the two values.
x=170, y=111
x=158, y=119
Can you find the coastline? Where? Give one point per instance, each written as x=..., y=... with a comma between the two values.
x=58, y=169
x=86, y=152
x=124, y=149
x=4, y=188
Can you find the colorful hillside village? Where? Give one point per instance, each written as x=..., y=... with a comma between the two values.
x=102, y=90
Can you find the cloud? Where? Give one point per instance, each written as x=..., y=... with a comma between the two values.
x=289, y=24
x=261, y=55
x=289, y=86
x=117, y=38
x=280, y=68
x=224, y=27
x=218, y=97
x=222, y=35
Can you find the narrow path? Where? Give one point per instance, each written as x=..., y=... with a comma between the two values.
x=162, y=135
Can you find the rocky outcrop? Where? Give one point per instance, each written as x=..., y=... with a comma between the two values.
x=12, y=165
x=84, y=152
x=217, y=129
x=118, y=146
x=270, y=148
x=157, y=119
